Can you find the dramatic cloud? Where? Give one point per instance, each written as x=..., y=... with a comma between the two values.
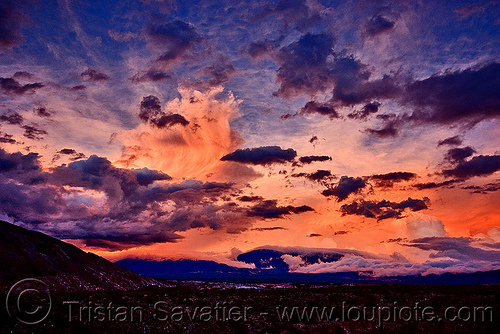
x=481, y=165
x=303, y=66
x=10, y=86
x=146, y=176
x=114, y=207
x=151, y=112
x=270, y=209
x=265, y=155
x=388, y=180
x=319, y=175
x=191, y=151
x=470, y=95
x=459, y=154
x=325, y=109
x=250, y=198
x=353, y=85
x=425, y=226
x=177, y=36
x=346, y=186
x=10, y=24
x=281, y=258
x=311, y=158
x=455, y=248
x=384, y=209
x=368, y=109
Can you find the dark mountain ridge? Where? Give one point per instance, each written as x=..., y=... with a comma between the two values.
x=62, y=266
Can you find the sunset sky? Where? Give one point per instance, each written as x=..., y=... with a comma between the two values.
x=201, y=130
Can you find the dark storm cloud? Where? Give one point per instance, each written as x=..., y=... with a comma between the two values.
x=250, y=198
x=177, y=36
x=432, y=185
x=147, y=176
x=32, y=131
x=150, y=112
x=481, y=165
x=388, y=180
x=12, y=117
x=353, y=85
x=18, y=162
x=470, y=95
x=325, y=109
x=303, y=65
x=384, y=209
x=319, y=175
x=309, y=66
x=150, y=108
x=133, y=214
x=67, y=151
x=265, y=155
x=455, y=248
x=368, y=109
x=10, y=24
x=270, y=209
x=346, y=186
x=378, y=24
x=170, y=120
x=451, y=141
x=10, y=86
x=311, y=158
x=93, y=74
x=459, y=154
x=152, y=74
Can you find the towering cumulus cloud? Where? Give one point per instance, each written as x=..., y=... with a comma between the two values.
x=190, y=135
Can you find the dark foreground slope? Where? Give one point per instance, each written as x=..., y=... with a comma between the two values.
x=29, y=254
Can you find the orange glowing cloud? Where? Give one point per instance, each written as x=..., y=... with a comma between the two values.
x=190, y=151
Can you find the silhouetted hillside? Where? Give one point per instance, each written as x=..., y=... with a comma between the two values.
x=29, y=254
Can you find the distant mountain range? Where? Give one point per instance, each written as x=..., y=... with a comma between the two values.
x=29, y=254
x=213, y=271
x=62, y=266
